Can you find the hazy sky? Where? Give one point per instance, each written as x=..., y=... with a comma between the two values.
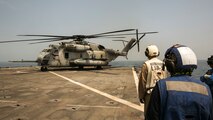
x=188, y=22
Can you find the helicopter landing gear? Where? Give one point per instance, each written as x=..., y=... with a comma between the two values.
x=81, y=67
x=99, y=68
x=43, y=68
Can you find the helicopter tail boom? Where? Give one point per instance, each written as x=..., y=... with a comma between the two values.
x=128, y=47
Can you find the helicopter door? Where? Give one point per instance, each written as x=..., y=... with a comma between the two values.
x=66, y=55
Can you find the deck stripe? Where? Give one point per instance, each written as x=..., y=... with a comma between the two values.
x=136, y=83
x=135, y=78
x=110, y=107
x=137, y=107
x=7, y=101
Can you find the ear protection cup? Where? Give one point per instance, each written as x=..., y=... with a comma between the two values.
x=158, y=54
x=147, y=52
x=170, y=62
x=170, y=65
x=180, y=59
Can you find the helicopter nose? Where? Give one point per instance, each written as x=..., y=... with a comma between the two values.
x=39, y=59
x=43, y=59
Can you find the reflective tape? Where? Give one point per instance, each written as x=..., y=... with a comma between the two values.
x=186, y=87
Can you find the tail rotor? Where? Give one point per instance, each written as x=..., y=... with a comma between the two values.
x=138, y=39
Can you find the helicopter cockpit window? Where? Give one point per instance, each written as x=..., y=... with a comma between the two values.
x=66, y=55
x=101, y=47
x=55, y=52
x=46, y=50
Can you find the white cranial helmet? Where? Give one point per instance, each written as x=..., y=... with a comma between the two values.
x=152, y=51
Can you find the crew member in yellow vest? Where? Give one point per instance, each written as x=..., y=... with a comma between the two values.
x=151, y=72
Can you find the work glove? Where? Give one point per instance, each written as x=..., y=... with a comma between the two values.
x=207, y=76
x=142, y=100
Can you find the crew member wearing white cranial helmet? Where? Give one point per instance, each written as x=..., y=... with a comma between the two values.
x=151, y=72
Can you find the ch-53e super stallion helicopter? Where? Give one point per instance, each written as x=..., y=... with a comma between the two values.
x=80, y=53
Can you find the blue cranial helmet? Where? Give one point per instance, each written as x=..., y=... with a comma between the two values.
x=181, y=59
x=210, y=60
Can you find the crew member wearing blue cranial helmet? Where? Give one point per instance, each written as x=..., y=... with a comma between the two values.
x=180, y=97
x=208, y=76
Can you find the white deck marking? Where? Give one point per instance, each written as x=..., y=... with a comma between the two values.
x=7, y=101
x=137, y=107
x=135, y=78
x=136, y=83
x=93, y=106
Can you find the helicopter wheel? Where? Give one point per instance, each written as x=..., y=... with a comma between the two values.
x=43, y=69
x=81, y=67
x=99, y=67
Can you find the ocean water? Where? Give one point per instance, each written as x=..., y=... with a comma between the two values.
x=202, y=65
x=16, y=64
x=201, y=68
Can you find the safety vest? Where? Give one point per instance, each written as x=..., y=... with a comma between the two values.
x=155, y=73
x=184, y=98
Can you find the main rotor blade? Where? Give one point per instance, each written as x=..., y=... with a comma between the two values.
x=77, y=37
x=121, y=40
x=83, y=36
x=45, y=35
x=141, y=37
x=9, y=41
x=115, y=31
x=45, y=41
x=80, y=35
x=64, y=37
x=127, y=34
x=110, y=37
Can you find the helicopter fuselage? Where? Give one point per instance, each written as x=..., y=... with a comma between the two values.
x=77, y=53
